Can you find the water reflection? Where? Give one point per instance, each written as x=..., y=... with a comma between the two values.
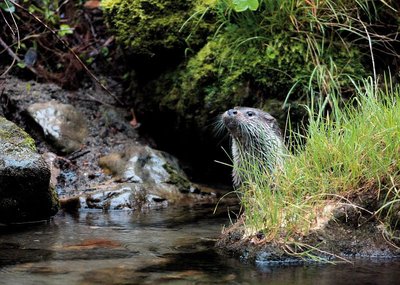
x=168, y=246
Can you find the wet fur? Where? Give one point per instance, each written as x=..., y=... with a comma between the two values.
x=256, y=138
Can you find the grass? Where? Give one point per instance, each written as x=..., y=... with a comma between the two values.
x=349, y=150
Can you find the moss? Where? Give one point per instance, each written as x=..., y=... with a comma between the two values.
x=54, y=201
x=220, y=76
x=153, y=27
x=16, y=136
x=177, y=179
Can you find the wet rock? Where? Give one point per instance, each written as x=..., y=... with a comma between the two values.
x=125, y=196
x=144, y=178
x=133, y=196
x=25, y=194
x=131, y=177
x=61, y=123
x=142, y=164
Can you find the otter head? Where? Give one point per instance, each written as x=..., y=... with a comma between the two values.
x=244, y=123
x=256, y=137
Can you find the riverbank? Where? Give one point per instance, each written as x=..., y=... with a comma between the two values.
x=337, y=195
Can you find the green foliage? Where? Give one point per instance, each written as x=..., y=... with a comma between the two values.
x=243, y=5
x=48, y=10
x=228, y=71
x=151, y=27
x=328, y=35
x=261, y=50
x=286, y=50
x=349, y=150
x=65, y=30
x=7, y=6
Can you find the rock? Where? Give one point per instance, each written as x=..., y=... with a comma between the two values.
x=115, y=120
x=61, y=124
x=144, y=178
x=25, y=192
x=134, y=196
x=125, y=196
x=50, y=159
x=142, y=164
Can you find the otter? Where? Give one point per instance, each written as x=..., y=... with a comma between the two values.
x=256, y=140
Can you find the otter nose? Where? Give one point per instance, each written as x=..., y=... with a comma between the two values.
x=232, y=112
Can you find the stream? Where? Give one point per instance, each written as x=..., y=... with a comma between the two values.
x=166, y=246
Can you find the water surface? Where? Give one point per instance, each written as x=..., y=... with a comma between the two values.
x=168, y=246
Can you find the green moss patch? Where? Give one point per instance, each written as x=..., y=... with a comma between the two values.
x=154, y=27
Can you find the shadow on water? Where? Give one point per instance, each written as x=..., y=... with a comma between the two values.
x=168, y=246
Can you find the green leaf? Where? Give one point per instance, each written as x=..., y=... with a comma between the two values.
x=65, y=30
x=21, y=64
x=7, y=6
x=243, y=5
x=271, y=52
x=90, y=60
x=105, y=51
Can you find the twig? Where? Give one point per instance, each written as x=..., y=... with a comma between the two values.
x=6, y=47
x=69, y=49
x=76, y=154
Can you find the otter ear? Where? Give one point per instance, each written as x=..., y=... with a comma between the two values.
x=273, y=123
x=269, y=119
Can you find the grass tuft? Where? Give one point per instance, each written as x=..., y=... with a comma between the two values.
x=350, y=150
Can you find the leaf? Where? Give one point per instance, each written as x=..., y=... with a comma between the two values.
x=105, y=51
x=65, y=30
x=21, y=64
x=243, y=5
x=6, y=6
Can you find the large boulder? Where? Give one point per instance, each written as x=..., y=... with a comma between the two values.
x=25, y=192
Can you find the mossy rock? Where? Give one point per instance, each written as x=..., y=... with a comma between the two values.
x=25, y=192
x=157, y=27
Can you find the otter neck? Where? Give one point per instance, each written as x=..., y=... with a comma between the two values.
x=266, y=154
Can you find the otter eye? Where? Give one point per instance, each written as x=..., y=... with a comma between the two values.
x=250, y=113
